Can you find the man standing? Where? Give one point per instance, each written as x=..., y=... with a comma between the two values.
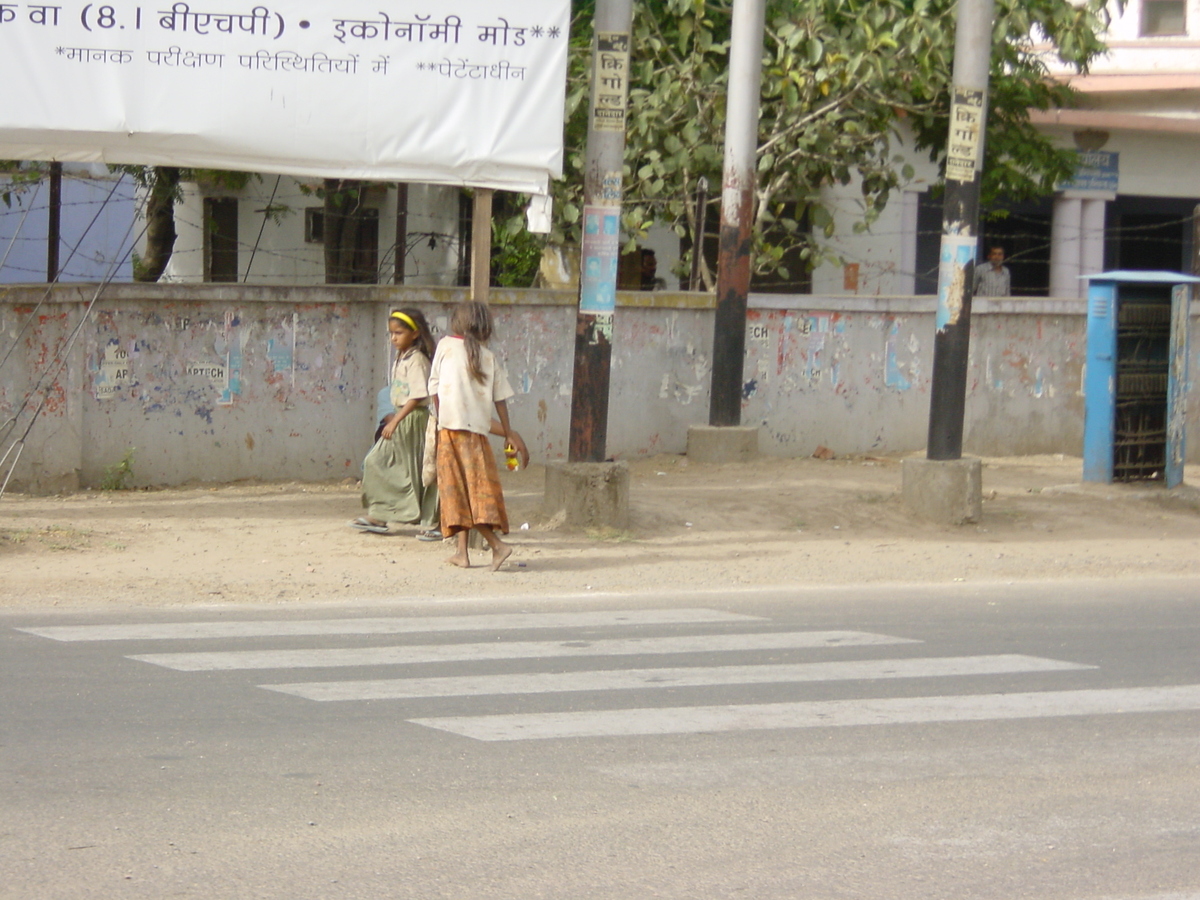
x=994, y=279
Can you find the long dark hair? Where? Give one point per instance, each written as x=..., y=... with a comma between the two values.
x=473, y=323
x=424, y=338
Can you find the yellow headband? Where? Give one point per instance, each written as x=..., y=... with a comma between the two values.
x=407, y=320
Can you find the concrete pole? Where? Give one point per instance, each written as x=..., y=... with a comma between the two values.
x=1091, y=250
x=603, y=193
x=960, y=227
x=737, y=211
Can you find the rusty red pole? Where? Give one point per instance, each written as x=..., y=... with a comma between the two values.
x=737, y=211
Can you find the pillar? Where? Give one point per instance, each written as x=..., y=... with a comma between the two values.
x=1065, y=232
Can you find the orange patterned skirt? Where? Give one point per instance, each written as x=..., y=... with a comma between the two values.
x=468, y=483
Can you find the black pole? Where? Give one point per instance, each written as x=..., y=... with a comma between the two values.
x=401, y=232
x=600, y=251
x=54, y=226
x=701, y=220
x=960, y=228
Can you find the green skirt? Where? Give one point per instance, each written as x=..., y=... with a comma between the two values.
x=392, y=488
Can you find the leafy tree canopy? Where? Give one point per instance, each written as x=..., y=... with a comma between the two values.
x=840, y=79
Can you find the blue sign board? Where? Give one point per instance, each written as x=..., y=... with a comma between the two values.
x=1096, y=171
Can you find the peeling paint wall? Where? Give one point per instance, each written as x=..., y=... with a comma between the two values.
x=218, y=383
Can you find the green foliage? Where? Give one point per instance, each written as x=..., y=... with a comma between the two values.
x=18, y=177
x=118, y=475
x=516, y=252
x=839, y=79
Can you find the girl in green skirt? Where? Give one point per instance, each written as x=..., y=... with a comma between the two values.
x=393, y=487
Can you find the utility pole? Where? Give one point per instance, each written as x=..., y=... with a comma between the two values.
x=603, y=193
x=960, y=227
x=737, y=211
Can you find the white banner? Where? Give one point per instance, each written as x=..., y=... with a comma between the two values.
x=440, y=91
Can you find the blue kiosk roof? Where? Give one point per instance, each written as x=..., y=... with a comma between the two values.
x=1135, y=276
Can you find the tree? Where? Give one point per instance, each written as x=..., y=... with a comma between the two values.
x=845, y=84
x=162, y=189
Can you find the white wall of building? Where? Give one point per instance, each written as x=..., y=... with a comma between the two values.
x=274, y=250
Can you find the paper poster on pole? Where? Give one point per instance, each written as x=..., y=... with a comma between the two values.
x=958, y=251
x=966, y=135
x=601, y=257
x=461, y=92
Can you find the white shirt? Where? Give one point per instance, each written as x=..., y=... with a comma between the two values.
x=465, y=404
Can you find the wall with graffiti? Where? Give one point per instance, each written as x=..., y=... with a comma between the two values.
x=220, y=383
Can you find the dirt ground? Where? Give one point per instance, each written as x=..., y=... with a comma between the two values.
x=769, y=523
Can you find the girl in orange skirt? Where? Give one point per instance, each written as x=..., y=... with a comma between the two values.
x=469, y=386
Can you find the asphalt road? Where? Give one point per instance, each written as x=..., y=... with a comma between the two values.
x=1028, y=741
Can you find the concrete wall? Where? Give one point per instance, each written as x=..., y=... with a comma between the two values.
x=218, y=383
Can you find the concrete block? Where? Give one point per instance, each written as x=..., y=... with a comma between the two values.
x=588, y=494
x=722, y=443
x=944, y=491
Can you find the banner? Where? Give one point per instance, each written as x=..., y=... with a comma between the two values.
x=464, y=92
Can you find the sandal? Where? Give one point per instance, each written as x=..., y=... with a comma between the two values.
x=364, y=524
x=432, y=534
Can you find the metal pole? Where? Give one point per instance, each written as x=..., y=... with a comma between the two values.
x=737, y=211
x=54, y=227
x=401, y=232
x=960, y=227
x=603, y=193
x=701, y=219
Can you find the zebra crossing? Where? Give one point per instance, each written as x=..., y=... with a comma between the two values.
x=715, y=634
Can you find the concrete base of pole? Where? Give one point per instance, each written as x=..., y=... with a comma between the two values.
x=943, y=491
x=588, y=495
x=722, y=443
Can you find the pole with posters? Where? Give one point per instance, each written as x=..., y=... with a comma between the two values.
x=944, y=487
x=960, y=227
x=586, y=490
x=601, y=245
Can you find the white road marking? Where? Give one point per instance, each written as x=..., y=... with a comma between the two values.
x=638, y=679
x=820, y=714
x=428, y=653
x=390, y=625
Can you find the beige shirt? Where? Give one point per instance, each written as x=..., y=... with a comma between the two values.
x=410, y=379
x=465, y=404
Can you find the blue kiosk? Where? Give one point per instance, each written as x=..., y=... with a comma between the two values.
x=1135, y=389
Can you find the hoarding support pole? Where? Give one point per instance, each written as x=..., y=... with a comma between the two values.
x=481, y=245
x=54, y=227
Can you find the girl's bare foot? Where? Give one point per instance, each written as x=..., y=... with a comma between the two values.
x=461, y=560
x=499, y=555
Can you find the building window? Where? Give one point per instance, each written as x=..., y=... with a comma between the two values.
x=1164, y=17
x=220, y=239
x=314, y=225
